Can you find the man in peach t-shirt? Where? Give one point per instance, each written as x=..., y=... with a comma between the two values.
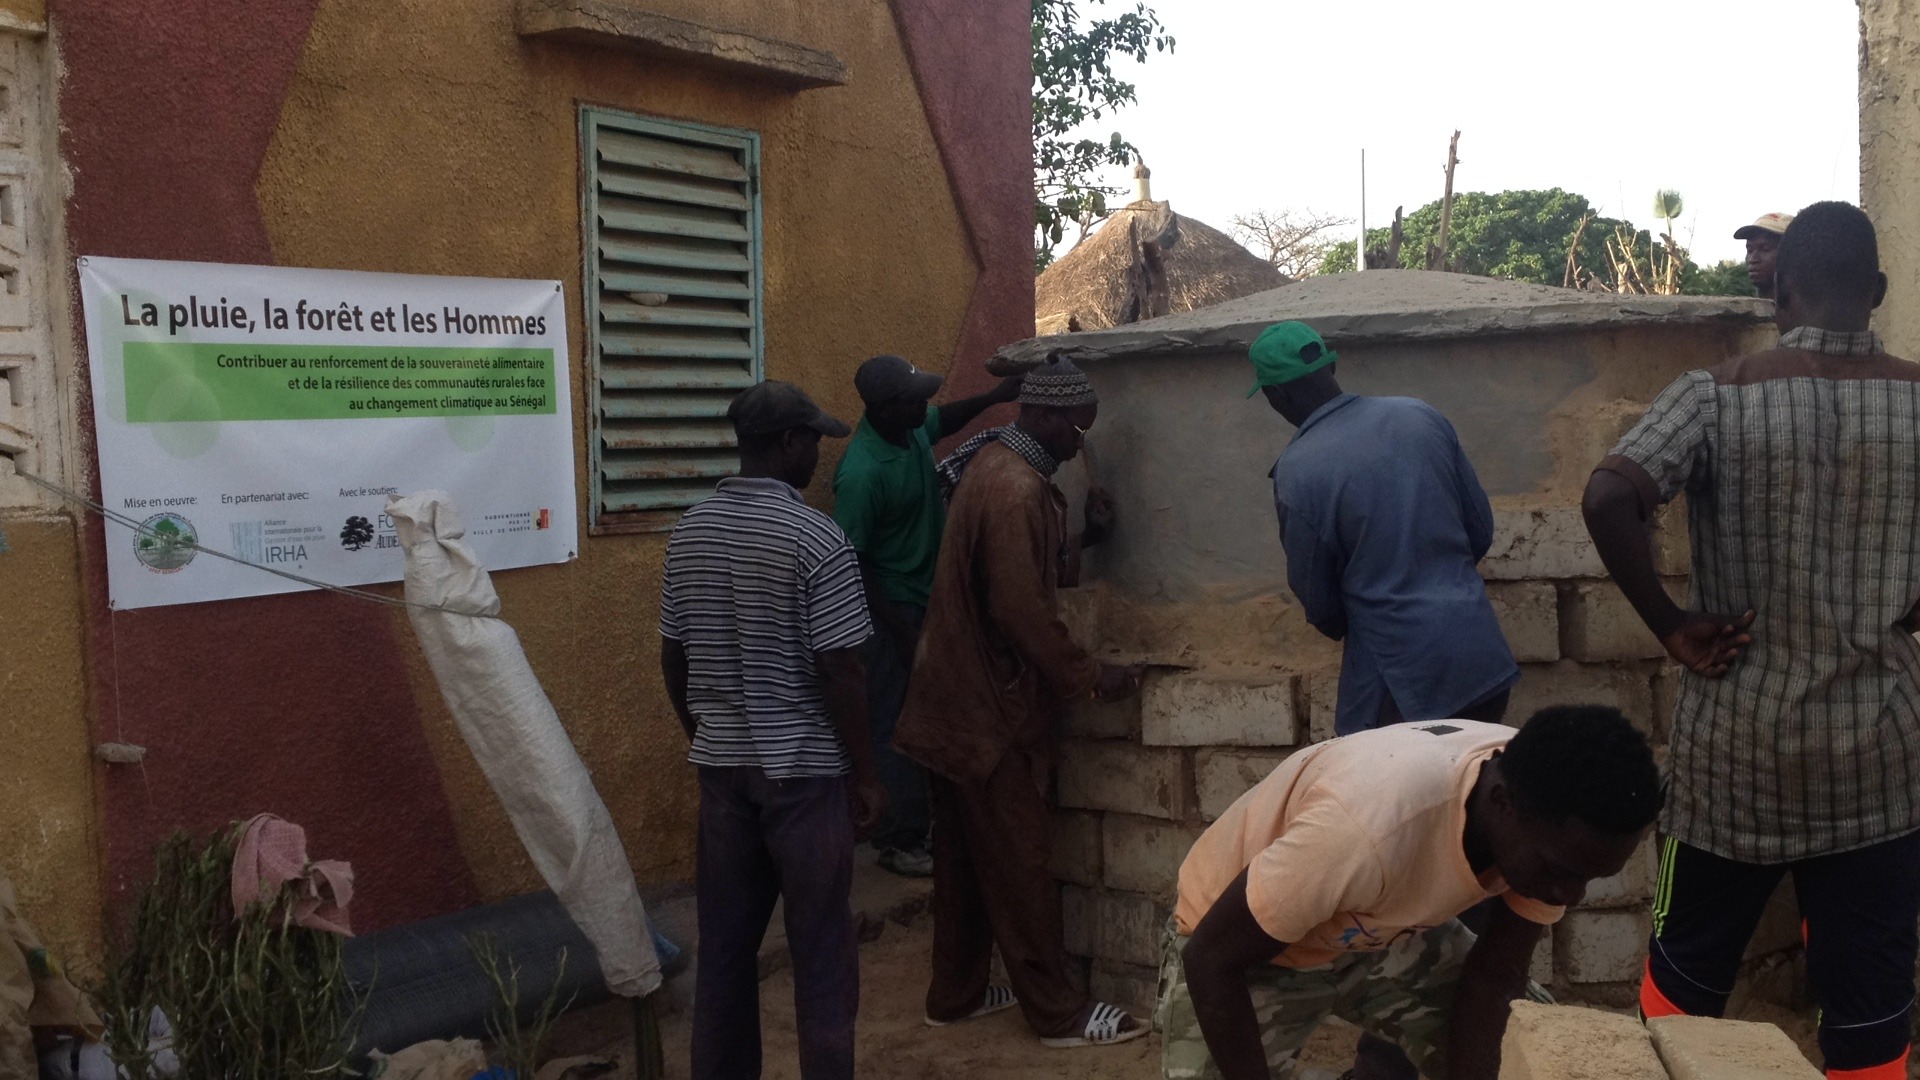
x=1332, y=887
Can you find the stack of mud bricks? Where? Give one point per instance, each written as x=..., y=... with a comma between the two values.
x=1546, y=1042
x=1139, y=781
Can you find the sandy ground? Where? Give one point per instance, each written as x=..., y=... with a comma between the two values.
x=896, y=1044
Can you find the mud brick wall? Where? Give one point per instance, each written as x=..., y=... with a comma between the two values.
x=1139, y=781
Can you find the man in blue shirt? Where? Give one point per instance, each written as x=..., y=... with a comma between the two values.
x=1384, y=525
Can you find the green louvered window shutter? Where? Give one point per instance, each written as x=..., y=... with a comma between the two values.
x=673, y=308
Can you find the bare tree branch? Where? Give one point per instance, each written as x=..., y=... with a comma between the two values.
x=1292, y=242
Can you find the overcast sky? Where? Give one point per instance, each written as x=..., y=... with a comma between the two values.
x=1743, y=106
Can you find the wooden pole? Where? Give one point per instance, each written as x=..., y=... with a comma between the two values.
x=1571, y=279
x=1446, y=199
x=1360, y=249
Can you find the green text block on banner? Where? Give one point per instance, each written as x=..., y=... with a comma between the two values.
x=174, y=382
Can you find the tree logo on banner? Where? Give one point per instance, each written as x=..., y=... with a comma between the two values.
x=357, y=534
x=164, y=543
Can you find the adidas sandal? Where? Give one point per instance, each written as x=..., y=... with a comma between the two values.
x=1103, y=1029
x=999, y=999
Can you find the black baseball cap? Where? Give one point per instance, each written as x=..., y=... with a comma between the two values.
x=773, y=406
x=894, y=378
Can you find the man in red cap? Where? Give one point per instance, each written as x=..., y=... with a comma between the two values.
x=1763, y=243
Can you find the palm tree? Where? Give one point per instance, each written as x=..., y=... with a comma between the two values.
x=1668, y=205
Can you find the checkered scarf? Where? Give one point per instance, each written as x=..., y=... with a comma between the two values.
x=1018, y=441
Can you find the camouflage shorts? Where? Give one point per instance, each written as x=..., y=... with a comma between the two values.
x=1403, y=994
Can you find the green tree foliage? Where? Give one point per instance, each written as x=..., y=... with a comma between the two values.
x=1073, y=84
x=1725, y=278
x=1523, y=236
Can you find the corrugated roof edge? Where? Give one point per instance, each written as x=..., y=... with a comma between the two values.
x=1507, y=308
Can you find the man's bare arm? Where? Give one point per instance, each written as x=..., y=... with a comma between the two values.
x=1706, y=643
x=843, y=685
x=955, y=415
x=1495, y=973
x=673, y=665
x=1227, y=942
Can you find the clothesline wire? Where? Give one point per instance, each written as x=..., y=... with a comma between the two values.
x=109, y=514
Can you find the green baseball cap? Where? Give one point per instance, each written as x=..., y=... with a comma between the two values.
x=1287, y=351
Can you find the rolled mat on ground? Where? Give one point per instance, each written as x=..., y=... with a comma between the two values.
x=518, y=740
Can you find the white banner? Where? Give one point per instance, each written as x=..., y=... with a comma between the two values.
x=268, y=412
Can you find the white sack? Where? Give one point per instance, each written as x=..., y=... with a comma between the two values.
x=519, y=742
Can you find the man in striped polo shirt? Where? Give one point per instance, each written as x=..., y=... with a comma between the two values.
x=761, y=621
x=1796, y=731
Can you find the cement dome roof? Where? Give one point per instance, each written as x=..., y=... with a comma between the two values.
x=1386, y=305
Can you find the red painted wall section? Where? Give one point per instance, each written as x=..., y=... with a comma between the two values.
x=973, y=60
x=296, y=705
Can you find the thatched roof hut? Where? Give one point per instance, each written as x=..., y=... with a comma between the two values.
x=1143, y=262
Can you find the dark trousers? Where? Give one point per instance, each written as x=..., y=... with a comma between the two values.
x=763, y=840
x=1488, y=710
x=1858, y=911
x=889, y=663
x=992, y=886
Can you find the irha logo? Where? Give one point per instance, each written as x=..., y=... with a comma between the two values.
x=165, y=543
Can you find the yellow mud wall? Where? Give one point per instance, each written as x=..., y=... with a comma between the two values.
x=24, y=14
x=49, y=844
x=425, y=136
x=1890, y=159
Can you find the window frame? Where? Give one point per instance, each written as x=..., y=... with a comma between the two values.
x=594, y=119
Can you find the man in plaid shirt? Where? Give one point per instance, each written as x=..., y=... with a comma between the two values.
x=1796, y=735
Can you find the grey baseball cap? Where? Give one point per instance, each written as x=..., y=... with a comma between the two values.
x=775, y=406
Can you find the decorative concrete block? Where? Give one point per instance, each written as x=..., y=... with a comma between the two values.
x=1598, y=624
x=1322, y=691
x=1541, y=543
x=1222, y=776
x=1564, y=1042
x=1143, y=855
x=1103, y=719
x=1601, y=946
x=1529, y=614
x=1666, y=694
x=1632, y=885
x=1129, y=928
x=1701, y=1048
x=1627, y=687
x=1672, y=541
x=1076, y=847
x=1779, y=926
x=1196, y=710
x=1540, y=968
x=1080, y=609
x=1126, y=778
x=1127, y=986
x=1079, y=917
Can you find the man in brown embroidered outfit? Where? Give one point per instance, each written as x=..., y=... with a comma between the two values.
x=995, y=662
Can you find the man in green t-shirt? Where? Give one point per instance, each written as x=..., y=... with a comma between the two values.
x=888, y=501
